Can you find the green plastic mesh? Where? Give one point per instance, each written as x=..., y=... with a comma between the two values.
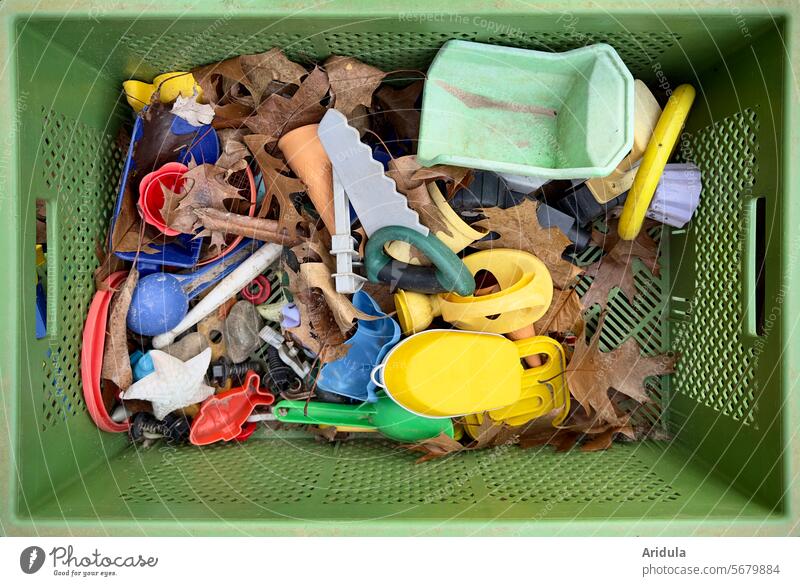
x=82, y=165
x=210, y=45
x=717, y=369
x=512, y=475
x=255, y=472
x=639, y=50
x=376, y=472
x=387, y=50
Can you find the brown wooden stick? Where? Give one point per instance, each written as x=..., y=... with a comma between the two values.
x=258, y=228
x=522, y=333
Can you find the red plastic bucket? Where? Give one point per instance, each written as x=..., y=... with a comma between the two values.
x=151, y=193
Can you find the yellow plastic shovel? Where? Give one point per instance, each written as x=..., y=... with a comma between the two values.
x=451, y=373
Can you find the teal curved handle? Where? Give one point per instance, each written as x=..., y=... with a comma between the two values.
x=451, y=273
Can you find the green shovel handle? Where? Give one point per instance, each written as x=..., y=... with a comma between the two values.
x=450, y=271
x=314, y=413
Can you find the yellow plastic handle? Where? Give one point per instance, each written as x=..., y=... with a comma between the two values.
x=655, y=158
x=538, y=345
x=543, y=387
x=521, y=295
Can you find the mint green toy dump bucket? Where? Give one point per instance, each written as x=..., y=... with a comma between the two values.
x=554, y=115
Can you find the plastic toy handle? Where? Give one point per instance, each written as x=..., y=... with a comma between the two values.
x=229, y=286
x=539, y=345
x=314, y=413
x=659, y=149
x=451, y=273
x=373, y=376
x=523, y=294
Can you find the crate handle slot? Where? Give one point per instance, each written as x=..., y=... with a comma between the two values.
x=755, y=267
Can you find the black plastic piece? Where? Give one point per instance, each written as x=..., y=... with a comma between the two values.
x=173, y=428
x=224, y=369
x=579, y=203
x=281, y=377
x=400, y=275
x=487, y=190
x=550, y=217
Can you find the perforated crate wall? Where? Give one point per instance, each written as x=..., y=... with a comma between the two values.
x=642, y=318
x=616, y=477
x=639, y=50
x=376, y=472
x=158, y=50
x=710, y=341
x=80, y=169
x=254, y=473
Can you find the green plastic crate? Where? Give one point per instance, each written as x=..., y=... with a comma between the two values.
x=730, y=462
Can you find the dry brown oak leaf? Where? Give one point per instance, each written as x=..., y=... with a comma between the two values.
x=616, y=268
x=263, y=69
x=412, y=178
x=277, y=115
x=488, y=433
x=204, y=187
x=352, y=83
x=318, y=330
x=565, y=439
x=603, y=441
x=436, y=447
x=519, y=228
x=277, y=185
x=318, y=275
x=210, y=78
x=255, y=72
x=230, y=115
x=592, y=373
x=398, y=105
x=565, y=314
x=116, y=362
x=234, y=153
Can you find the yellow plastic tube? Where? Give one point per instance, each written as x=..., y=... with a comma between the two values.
x=526, y=290
x=655, y=158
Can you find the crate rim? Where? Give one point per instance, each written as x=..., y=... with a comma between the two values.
x=14, y=11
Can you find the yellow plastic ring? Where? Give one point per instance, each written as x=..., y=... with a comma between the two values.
x=665, y=137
